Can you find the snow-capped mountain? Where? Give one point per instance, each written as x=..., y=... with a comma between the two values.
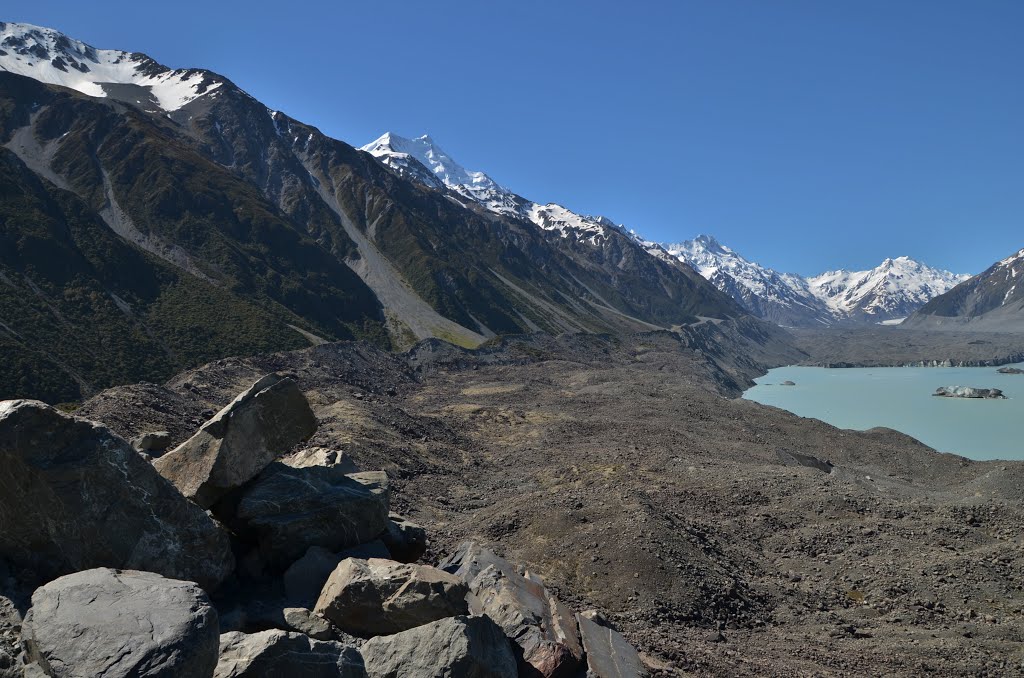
x=51, y=57
x=894, y=289
x=884, y=294
x=422, y=160
x=887, y=293
x=784, y=299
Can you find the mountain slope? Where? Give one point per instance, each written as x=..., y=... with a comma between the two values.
x=991, y=300
x=268, y=214
x=887, y=293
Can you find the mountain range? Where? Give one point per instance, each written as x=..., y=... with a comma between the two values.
x=155, y=219
x=885, y=294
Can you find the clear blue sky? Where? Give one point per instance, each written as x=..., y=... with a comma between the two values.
x=808, y=134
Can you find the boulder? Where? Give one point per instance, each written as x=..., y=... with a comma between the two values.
x=261, y=424
x=274, y=653
x=321, y=456
x=308, y=622
x=378, y=597
x=1010, y=370
x=152, y=443
x=114, y=623
x=455, y=647
x=609, y=655
x=305, y=578
x=968, y=392
x=74, y=496
x=405, y=540
x=543, y=628
x=287, y=510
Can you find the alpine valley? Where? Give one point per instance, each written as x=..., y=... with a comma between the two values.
x=321, y=410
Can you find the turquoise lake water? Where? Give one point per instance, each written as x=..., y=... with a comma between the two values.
x=901, y=398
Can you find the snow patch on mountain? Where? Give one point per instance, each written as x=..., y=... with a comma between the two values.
x=52, y=57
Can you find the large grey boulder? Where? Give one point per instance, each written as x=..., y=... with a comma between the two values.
x=287, y=510
x=305, y=578
x=544, y=629
x=261, y=424
x=609, y=655
x=456, y=647
x=274, y=654
x=115, y=623
x=74, y=496
x=379, y=597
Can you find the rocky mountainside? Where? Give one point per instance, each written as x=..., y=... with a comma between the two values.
x=885, y=294
x=245, y=230
x=990, y=300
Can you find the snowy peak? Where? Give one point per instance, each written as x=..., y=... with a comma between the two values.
x=891, y=291
x=422, y=160
x=52, y=57
x=428, y=153
x=897, y=286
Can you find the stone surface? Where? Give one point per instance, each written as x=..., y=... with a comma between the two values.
x=378, y=597
x=264, y=422
x=305, y=578
x=74, y=496
x=287, y=510
x=968, y=392
x=321, y=456
x=114, y=623
x=272, y=654
x=405, y=540
x=308, y=622
x=608, y=654
x=455, y=647
x=152, y=443
x=543, y=627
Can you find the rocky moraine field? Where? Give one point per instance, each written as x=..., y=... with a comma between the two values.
x=579, y=505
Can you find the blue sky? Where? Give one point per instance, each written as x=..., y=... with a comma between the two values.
x=807, y=134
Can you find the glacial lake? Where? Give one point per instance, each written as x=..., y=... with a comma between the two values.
x=901, y=398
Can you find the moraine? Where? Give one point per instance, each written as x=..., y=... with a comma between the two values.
x=901, y=398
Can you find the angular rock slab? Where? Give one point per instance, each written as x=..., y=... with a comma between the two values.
x=378, y=597
x=544, y=629
x=305, y=578
x=287, y=510
x=273, y=654
x=609, y=655
x=74, y=496
x=456, y=647
x=121, y=623
x=264, y=422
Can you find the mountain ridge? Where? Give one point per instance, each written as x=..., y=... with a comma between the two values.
x=326, y=240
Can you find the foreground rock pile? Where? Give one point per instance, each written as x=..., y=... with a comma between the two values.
x=232, y=556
